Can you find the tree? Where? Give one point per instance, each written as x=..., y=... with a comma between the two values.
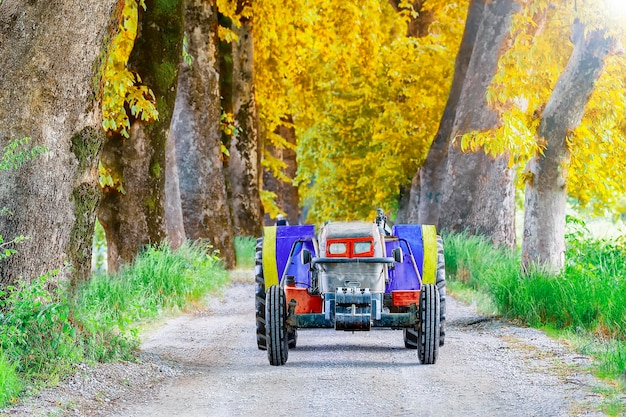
x=419, y=17
x=196, y=132
x=370, y=121
x=478, y=194
x=50, y=91
x=428, y=183
x=134, y=216
x=546, y=179
x=174, y=221
x=433, y=169
x=244, y=162
x=567, y=130
x=279, y=55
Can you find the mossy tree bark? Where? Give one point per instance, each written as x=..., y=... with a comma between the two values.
x=478, y=195
x=244, y=162
x=137, y=218
x=51, y=57
x=196, y=131
x=543, y=243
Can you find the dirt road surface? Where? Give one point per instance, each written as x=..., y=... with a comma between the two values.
x=210, y=366
x=485, y=369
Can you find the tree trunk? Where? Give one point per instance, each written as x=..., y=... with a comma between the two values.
x=432, y=175
x=417, y=27
x=287, y=198
x=408, y=202
x=546, y=185
x=478, y=195
x=197, y=134
x=137, y=218
x=244, y=163
x=174, y=222
x=50, y=56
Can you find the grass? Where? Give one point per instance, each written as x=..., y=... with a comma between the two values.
x=10, y=384
x=245, y=248
x=586, y=303
x=46, y=330
x=160, y=279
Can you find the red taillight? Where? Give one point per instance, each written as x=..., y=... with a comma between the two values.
x=405, y=297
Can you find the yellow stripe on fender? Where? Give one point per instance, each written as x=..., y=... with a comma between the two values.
x=270, y=269
x=429, y=238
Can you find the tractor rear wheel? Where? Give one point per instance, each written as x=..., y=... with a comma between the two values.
x=259, y=295
x=276, y=325
x=441, y=287
x=429, y=325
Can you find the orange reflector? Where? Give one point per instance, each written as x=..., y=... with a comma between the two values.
x=405, y=297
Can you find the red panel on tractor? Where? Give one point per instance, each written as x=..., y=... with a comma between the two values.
x=306, y=303
x=405, y=297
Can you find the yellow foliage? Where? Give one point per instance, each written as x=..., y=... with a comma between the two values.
x=366, y=100
x=228, y=125
x=268, y=199
x=526, y=78
x=599, y=145
x=234, y=10
x=110, y=179
x=228, y=8
x=227, y=35
x=121, y=87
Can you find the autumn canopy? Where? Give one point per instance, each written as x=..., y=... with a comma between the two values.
x=204, y=119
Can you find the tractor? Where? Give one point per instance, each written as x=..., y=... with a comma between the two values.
x=351, y=276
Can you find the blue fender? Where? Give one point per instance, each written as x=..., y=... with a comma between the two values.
x=278, y=242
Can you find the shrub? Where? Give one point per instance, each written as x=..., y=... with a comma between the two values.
x=38, y=336
x=45, y=331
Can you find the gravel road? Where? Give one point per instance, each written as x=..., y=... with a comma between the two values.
x=206, y=363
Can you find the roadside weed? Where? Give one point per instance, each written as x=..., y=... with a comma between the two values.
x=587, y=299
x=10, y=385
x=46, y=331
x=245, y=248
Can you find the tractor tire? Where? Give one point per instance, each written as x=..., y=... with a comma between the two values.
x=276, y=325
x=410, y=335
x=292, y=338
x=410, y=338
x=259, y=295
x=429, y=325
x=441, y=287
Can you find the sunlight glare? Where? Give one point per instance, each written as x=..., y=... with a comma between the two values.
x=617, y=7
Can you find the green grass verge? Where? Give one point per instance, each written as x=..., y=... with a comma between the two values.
x=586, y=302
x=10, y=384
x=46, y=331
x=160, y=279
x=245, y=248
